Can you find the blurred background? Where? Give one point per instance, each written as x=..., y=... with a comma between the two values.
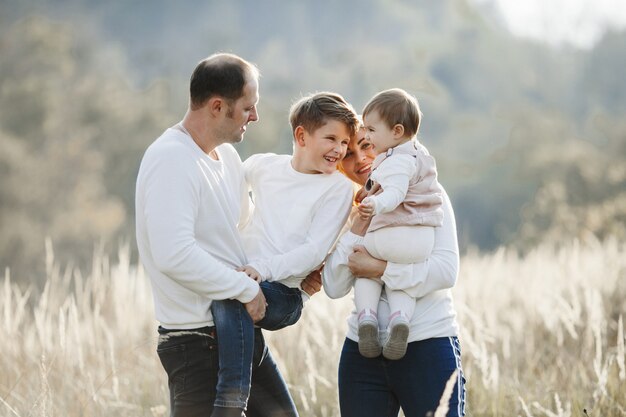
x=524, y=106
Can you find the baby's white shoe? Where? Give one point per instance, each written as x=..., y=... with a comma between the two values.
x=395, y=345
x=369, y=346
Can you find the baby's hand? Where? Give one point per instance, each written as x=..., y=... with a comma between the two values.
x=366, y=208
x=251, y=272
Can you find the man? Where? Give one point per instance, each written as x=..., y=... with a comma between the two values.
x=190, y=199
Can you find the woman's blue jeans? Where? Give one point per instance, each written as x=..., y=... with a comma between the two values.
x=379, y=387
x=235, y=336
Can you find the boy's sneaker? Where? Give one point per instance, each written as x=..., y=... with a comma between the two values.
x=396, y=342
x=369, y=346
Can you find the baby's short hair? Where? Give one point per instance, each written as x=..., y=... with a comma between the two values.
x=396, y=106
x=314, y=111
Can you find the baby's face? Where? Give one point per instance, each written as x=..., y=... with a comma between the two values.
x=378, y=132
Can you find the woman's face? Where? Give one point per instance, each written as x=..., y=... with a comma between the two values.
x=357, y=164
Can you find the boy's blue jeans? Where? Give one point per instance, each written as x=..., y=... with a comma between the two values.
x=235, y=338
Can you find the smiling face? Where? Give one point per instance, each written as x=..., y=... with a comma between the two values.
x=380, y=134
x=320, y=151
x=357, y=164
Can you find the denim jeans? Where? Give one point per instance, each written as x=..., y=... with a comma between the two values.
x=235, y=332
x=190, y=359
x=380, y=387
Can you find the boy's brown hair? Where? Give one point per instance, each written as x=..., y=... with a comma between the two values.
x=396, y=106
x=314, y=111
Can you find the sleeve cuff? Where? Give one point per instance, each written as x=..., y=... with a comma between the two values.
x=351, y=239
x=251, y=291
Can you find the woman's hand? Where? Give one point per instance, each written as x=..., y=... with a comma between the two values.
x=359, y=225
x=364, y=265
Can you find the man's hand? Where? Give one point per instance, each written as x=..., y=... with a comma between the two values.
x=313, y=282
x=256, y=307
x=366, y=209
x=251, y=272
x=364, y=265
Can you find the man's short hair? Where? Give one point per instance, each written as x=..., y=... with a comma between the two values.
x=314, y=111
x=224, y=75
x=396, y=106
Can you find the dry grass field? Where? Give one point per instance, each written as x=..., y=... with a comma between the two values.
x=542, y=335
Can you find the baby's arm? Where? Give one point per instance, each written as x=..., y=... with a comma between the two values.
x=393, y=175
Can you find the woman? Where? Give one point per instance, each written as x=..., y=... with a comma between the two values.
x=379, y=387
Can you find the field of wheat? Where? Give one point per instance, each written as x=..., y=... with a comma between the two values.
x=542, y=335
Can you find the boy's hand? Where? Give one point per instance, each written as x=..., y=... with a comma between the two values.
x=313, y=282
x=251, y=272
x=366, y=209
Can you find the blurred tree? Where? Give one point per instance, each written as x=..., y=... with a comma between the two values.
x=581, y=184
x=72, y=133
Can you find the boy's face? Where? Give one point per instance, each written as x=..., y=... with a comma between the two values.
x=379, y=133
x=320, y=151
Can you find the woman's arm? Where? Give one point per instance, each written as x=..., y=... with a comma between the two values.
x=336, y=276
x=438, y=272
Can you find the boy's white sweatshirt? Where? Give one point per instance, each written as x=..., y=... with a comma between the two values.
x=297, y=217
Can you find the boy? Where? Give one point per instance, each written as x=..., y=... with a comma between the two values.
x=301, y=203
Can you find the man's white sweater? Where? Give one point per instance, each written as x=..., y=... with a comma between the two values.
x=188, y=208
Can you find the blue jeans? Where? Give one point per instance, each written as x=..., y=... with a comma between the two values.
x=379, y=387
x=190, y=359
x=235, y=332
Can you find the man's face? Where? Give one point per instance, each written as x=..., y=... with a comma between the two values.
x=241, y=112
x=324, y=148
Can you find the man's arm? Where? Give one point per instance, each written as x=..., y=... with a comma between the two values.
x=171, y=198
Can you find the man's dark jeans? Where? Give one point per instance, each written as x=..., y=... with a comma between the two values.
x=190, y=358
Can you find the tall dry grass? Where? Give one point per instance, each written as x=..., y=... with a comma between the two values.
x=542, y=335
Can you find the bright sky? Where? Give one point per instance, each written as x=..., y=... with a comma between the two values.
x=579, y=23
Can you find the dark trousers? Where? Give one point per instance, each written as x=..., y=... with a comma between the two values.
x=379, y=387
x=190, y=359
